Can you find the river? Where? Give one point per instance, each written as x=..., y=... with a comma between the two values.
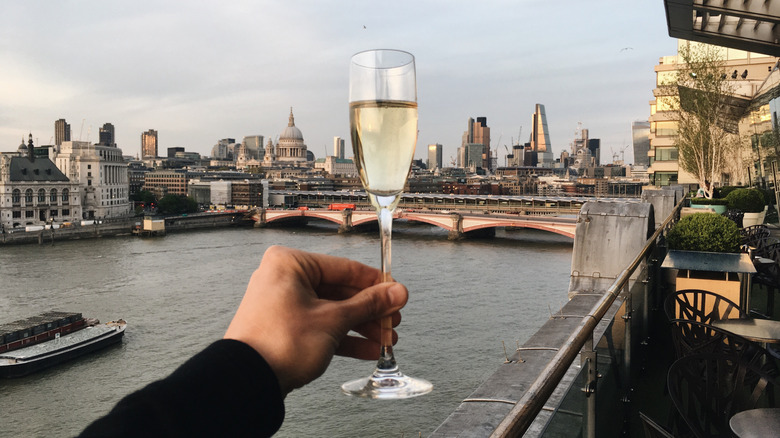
x=178, y=294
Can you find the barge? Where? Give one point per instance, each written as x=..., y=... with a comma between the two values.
x=41, y=341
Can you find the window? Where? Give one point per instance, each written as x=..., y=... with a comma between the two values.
x=17, y=215
x=41, y=195
x=66, y=212
x=16, y=196
x=668, y=128
x=665, y=178
x=53, y=213
x=666, y=154
x=53, y=195
x=28, y=196
x=65, y=195
x=29, y=213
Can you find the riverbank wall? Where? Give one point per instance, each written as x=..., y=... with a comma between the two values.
x=121, y=227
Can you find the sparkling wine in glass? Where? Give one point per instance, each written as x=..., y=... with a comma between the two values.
x=383, y=125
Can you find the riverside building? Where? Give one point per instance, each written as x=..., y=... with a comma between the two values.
x=101, y=174
x=754, y=76
x=34, y=192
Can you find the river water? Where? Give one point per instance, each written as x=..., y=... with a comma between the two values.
x=178, y=294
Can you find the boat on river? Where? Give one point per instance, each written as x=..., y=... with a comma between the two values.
x=41, y=341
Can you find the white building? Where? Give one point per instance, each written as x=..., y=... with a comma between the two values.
x=100, y=172
x=337, y=166
x=33, y=191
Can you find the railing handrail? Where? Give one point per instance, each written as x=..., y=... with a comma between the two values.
x=523, y=414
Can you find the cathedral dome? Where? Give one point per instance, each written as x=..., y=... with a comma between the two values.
x=291, y=132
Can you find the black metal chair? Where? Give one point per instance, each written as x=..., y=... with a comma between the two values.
x=691, y=337
x=754, y=235
x=700, y=306
x=708, y=389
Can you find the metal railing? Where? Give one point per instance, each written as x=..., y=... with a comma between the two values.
x=523, y=414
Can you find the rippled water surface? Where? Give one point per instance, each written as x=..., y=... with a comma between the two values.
x=178, y=294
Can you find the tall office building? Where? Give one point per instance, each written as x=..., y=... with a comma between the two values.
x=61, y=131
x=640, y=133
x=149, y=144
x=107, y=135
x=338, y=147
x=434, y=156
x=540, y=137
x=594, y=146
x=478, y=132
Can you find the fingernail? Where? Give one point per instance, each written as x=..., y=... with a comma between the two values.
x=396, y=293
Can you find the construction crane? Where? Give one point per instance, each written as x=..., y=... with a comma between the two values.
x=623, y=154
x=506, y=157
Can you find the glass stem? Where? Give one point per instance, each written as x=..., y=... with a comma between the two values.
x=385, y=207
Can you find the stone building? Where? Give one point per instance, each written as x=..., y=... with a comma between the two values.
x=33, y=191
x=101, y=173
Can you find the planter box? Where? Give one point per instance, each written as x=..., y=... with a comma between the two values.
x=727, y=275
x=716, y=208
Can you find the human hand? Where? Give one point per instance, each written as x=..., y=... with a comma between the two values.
x=299, y=307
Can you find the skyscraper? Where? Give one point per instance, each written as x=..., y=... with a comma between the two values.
x=640, y=133
x=338, y=147
x=107, y=135
x=477, y=133
x=434, y=156
x=61, y=131
x=149, y=144
x=540, y=137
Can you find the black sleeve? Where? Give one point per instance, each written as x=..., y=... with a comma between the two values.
x=227, y=389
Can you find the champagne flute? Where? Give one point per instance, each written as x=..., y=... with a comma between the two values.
x=383, y=125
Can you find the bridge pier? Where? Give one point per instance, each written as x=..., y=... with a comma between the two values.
x=346, y=222
x=456, y=232
x=261, y=221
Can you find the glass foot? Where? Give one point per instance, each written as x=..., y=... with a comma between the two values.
x=387, y=386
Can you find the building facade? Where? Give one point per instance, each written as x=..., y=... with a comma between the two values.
x=748, y=73
x=477, y=133
x=107, y=135
x=540, y=137
x=434, y=156
x=101, y=174
x=61, y=131
x=338, y=148
x=163, y=182
x=149, y=144
x=640, y=135
x=34, y=192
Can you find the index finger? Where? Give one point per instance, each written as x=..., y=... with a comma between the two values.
x=334, y=278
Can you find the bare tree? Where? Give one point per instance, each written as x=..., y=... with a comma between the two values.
x=707, y=112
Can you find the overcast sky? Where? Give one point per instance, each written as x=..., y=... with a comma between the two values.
x=199, y=71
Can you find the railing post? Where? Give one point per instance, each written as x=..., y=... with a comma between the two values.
x=589, y=362
x=628, y=302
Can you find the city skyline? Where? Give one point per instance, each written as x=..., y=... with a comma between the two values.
x=213, y=71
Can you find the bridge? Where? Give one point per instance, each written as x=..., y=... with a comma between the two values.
x=457, y=224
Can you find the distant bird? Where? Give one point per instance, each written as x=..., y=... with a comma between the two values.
x=626, y=48
x=364, y=26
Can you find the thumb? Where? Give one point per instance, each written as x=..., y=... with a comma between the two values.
x=374, y=302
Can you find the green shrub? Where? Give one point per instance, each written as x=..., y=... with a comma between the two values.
x=704, y=232
x=722, y=192
x=746, y=200
x=705, y=201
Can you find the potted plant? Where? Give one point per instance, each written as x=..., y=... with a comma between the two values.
x=751, y=202
x=704, y=232
x=704, y=254
x=716, y=205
